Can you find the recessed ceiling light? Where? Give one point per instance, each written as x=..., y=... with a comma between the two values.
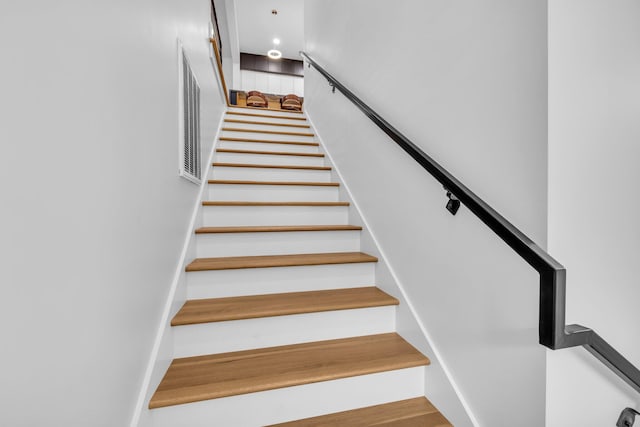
x=274, y=54
x=276, y=41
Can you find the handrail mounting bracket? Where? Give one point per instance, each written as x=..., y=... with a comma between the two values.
x=627, y=417
x=453, y=204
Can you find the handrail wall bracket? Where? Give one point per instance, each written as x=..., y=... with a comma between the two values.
x=453, y=204
x=627, y=417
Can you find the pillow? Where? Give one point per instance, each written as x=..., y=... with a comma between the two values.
x=256, y=101
x=290, y=102
x=258, y=94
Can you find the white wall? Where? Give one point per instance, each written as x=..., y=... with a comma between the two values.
x=278, y=84
x=227, y=69
x=467, y=82
x=236, y=75
x=93, y=212
x=594, y=203
x=225, y=12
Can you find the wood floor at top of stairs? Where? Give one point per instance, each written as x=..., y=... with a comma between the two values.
x=271, y=116
x=271, y=110
x=198, y=378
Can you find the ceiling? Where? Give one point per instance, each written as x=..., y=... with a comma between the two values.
x=257, y=26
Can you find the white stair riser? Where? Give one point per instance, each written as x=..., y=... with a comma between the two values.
x=269, y=174
x=261, y=112
x=268, y=119
x=259, y=281
x=272, y=193
x=268, y=127
x=276, y=243
x=236, y=335
x=291, y=403
x=262, y=135
x=274, y=215
x=262, y=146
x=269, y=159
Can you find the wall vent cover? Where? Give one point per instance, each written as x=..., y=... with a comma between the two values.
x=189, y=120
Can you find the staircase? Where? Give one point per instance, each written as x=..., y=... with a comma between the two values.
x=283, y=322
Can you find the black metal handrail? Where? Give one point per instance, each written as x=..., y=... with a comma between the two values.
x=553, y=333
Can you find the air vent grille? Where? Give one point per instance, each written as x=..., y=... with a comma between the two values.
x=190, y=165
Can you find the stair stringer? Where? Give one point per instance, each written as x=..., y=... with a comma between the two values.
x=440, y=386
x=163, y=348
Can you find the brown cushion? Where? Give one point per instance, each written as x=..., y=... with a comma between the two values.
x=291, y=104
x=290, y=96
x=256, y=101
x=258, y=94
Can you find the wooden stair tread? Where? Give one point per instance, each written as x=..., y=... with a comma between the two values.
x=252, y=122
x=273, y=153
x=268, y=141
x=200, y=378
x=255, y=306
x=242, y=203
x=276, y=228
x=270, y=132
x=265, y=261
x=253, y=165
x=296, y=183
x=416, y=412
x=271, y=116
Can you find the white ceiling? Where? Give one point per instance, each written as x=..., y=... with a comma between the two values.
x=257, y=26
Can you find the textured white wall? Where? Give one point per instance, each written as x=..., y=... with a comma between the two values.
x=278, y=84
x=467, y=82
x=94, y=214
x=594, y=203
